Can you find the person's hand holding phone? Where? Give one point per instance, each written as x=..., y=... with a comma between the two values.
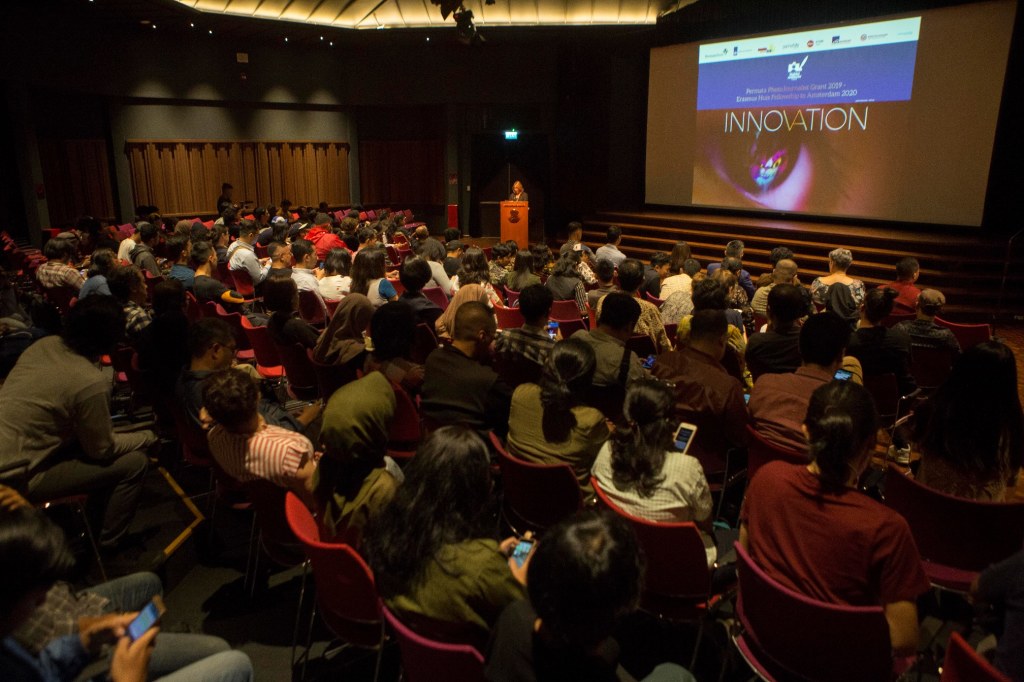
x=130, y=662
x=94, y=632
x=519, y=552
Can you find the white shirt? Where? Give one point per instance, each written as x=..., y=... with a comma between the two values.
x=124, y=249
x=335, y=287
x=675, y=284
x=242, y=256
x=612, y=253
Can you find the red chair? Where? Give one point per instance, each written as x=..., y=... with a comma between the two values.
x=967, y=335
x=653, y=299
x=426, y=660
x=787, y=636
x=514, y=370
x=405, y=433
x=261, y=251
x=509, y=318
x=60, y=297
x=303, y=383
x=671, y=330
x=192, y=310
x=436, y=295
x=346, y=595
x=570, y=327
x=536, y=496
x=151, y=282
x=331, y=307
x=330, y=377
x=957, y=538
x=511, y=297
x=565, y=310
x=761, y=451
x=424, y=344
x=892, y=319
x=642, y=345
x=244, y=351
x=964, y=664
x=677, y=581
x=403, y=254
x=243, y=284
x=268, y=362
x=312, y=308
x=274, y=537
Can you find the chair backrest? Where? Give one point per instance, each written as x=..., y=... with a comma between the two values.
x=405, y=425
x=565, y=310
x=886, y=393
x=243, y=283
x=234, y=321
x=952, y=531
x=653, y=299
x=967, y=335
x=312, y=308
x=330, y=377
x=797, y=637
x=302, y=379
x=262, y=345
x=436, y=295
x=276, y=536
x=60, y=297
x=930, y=366
x=511, y=297
x=642, y=345
x=570, y=327
x=425, y=660
x=677, y=564
x=514, y=370
x=536, y=496
x=261, y=251
x=509, y=318
x=192, y=310
x=761, y=451
x=964, y=664
x=345, y=590
x=151, y=282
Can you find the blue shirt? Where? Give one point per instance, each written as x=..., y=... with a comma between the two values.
x=97, y=284
x=184, y=274
x=62, y=659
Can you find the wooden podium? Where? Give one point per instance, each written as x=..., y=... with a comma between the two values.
x=515, y=222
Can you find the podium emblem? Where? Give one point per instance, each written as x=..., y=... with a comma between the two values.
x=513, y=215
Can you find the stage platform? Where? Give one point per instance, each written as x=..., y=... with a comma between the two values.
x=966, y=264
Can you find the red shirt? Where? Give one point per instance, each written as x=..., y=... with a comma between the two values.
x=323, y=241
x=837, y=547
x=906, y=301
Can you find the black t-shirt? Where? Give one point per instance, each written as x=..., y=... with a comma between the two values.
x=425, y=310
x=451, y=266
x=288, y=329
x=518, y=654
x=773, y=353
x=883, y=351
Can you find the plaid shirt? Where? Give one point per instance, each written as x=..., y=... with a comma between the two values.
x=53, y=274
x=497, y=273
x=138, y=318
x=58, y=616
x=531, y=343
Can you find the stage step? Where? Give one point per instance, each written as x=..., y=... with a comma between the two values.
x=966, y=265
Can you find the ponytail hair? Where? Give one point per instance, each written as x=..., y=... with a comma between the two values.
x=567, y=375
x=878, y=304
x=842, y=424
x=638, y=447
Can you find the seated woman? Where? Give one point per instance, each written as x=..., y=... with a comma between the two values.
x=521, y=275
x=475, y=270
x=565, y=283
x=549, y=424
x=433, y=252
x=344, y=340
x=584, y=577
x=102, y=263
x=811, y=529
x=642, y=473
x=369, y=277
x=336, y=283
x=543, y=259
x=844, y=302
x=469, y=292
x=678, y=281
x=393, y=332
x=879, y=349
x=437, y=564
x=281, y=297
x=354, y=481
x=970, y=432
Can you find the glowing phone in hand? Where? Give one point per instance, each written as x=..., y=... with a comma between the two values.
x=147, y=618
x=522, y=551
x=684, y=436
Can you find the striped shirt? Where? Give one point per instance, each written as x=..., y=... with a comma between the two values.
x=272, y=453
x=55, y=274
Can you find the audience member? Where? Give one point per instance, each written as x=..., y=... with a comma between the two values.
x=565, y=283
x=453, y=257
x=774, y=256
x=432, y=251
x=245, y=447
x=649, y=324
x=473, y=269
x=610, y=251
x=414, y=275
x=616, y=365
x=584, y=578
x=705, y=393
x=142, y=255
x=785, y=272
x=393, y=331
x=604, y=270
x=459, y=388
x=549, y=424
x=128, y=287
x=1001, y=586
x=451, y=234
x=653, y=274
x=543, y=259
x=127, y=245
x=101, y=264
x=522, y=274
x=276, y=231
x=281, y=297
x=369, y=277
x=923, y=331
x=354, y=481
x=776, y=350
x=322, y=238
x=205, y=286
x=57, y=271
x=436, y=564
x=812, y=530
x=641, y=472
x=529, y=342
x=281, y=261
x=575, y=238
x=344, y=340
x=55, y=413
x=778, y=402
x=498, y=266
x=734, y=249
x=446, y=322
x=677, y=280
x=907, y=272
x=163, y=345
x=242, y=255
x=881, y=350
x=970, y=432
x=305, y=272
x=837, y=292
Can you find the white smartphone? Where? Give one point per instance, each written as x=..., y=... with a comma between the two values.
x=684, y=436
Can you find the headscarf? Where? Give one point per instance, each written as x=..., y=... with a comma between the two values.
x=445, y=324
x=343, y=341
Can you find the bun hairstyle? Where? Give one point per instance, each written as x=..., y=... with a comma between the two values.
x=638, y=448
x=878, y=304
x=842, y=425
x=567, y=375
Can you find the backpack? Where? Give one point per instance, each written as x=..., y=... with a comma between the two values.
x=841, y=302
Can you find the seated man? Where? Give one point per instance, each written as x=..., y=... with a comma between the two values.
x=178, y=252
x=305, y=272
x=907, y=272
x=57, y=271
x=458, y=388
x=631, y=279
x=453, y=257
x=280, y=260
x=531, y=341
x=734, y=249
x=34, y=555
x=604, y=271
x=923, y=331
x=785, y=272
x=616, y=364
x=705, y=393
x=242, y=254
x=142, y=255
x=248, y=448
x=323, y=238
x=610, y=251
x=778, y=403
x=205, y=286
x=575, y=239
x=55, y=413
x=777, y=349
x=414, y=276
x=128, y=287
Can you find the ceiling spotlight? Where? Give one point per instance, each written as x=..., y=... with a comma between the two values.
x=154, y=25
x=331, y=43
x=192, y=24
x=286, y=39
x=321, y=37
x=210, y=31
x=428, y=39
